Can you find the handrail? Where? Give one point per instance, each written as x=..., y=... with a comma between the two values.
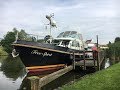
x=96, y=59
x=30, y=37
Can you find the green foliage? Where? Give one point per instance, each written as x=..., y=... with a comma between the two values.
x=117, y=39
x=7, y=41
x=2, y=52
x=114, y=50
x=9, y=38
x=22, y=35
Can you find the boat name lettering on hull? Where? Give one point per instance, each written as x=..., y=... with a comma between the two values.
x=44, y=54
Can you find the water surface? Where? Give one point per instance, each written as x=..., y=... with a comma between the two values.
x=13, y=76
x=12, y=72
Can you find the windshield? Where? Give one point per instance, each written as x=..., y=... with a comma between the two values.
x=72, y=34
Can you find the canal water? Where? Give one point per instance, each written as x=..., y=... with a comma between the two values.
x=13, y=74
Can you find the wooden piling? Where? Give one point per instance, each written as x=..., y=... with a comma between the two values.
x=84, y=67
x=73, y=61
x=34, y=82
x=98, y=59
x=46, y=79
x=94, y=58
x=98, y=66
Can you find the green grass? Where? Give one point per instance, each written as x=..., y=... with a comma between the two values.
x=108, y=79
x=2, y=52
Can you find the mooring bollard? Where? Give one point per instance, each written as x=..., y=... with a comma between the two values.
x=34, y=82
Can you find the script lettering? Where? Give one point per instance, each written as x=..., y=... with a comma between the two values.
x=44, y=54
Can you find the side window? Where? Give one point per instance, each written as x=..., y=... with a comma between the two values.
x=80, y=36
x=75, y=44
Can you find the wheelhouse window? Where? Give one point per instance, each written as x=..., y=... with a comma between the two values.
x=60, y=35
x=68, y=34
x=65, y=43
x=80, y=36
x=75, y=44
x=56, y=42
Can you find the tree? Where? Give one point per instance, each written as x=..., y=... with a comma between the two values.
x=117, y=39
x=9, y=38
x=114, y=50
x=7, y=41
x=109, y=43
x=22, y=34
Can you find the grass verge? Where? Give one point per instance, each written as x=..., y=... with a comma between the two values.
x=108, y=79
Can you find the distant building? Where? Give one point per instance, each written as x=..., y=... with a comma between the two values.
x=103, y=46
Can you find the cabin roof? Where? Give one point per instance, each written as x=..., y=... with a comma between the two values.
x=64, y=39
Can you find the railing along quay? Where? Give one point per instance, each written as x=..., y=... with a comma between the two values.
x=90, y=59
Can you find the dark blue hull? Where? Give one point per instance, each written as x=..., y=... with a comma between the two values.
x=37, y=54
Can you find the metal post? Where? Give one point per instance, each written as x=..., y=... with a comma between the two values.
x=37, y=38
x=73, y=61
x=84, y=67
x=50, y=30
x=94, y=58
x=98, y=67
x=97, y=41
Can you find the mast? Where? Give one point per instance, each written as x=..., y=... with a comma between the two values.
x=52, y=23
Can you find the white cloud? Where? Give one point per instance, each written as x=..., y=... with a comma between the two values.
x=89, y=17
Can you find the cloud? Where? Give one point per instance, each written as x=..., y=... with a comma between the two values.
x=88, y=17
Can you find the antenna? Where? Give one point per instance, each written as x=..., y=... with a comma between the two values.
x=52, y=23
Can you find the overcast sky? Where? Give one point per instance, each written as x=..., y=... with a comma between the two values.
x=89, y=17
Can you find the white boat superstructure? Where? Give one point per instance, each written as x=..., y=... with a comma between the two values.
x=70, y=39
